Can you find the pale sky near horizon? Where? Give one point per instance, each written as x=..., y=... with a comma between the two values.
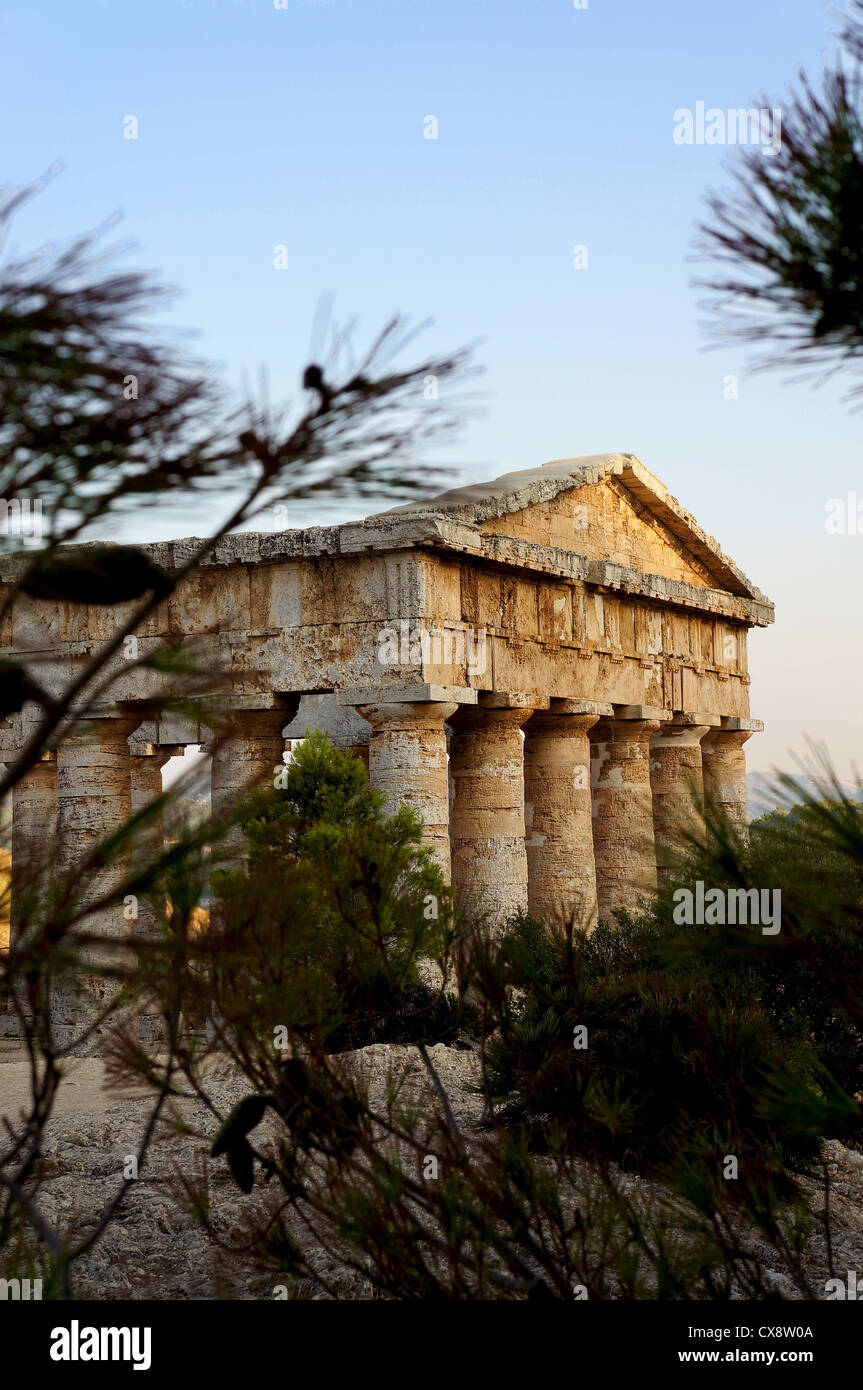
x=304, y=127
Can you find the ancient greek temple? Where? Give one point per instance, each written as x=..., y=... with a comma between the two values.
x=545, y=666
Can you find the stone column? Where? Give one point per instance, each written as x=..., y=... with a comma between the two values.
x=93, y=801
x=560, y=865
x=489, y=861
x=248, y=749
x=623, y=839
x=34, y=827
x=147, y=761
x=677, y=786
x=8, y=1020
x=246, y=752
x=408, y=763
x=5, y=872
x=29, y=837
x=724, y=770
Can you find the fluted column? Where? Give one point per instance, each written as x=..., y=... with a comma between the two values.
x=408, y=764
x=677, y=787
x=147, y=762
x=93, y=801
x=489, y=860
x=724, y=771
x=249, y=748
x=623, y=837
x=561, y=871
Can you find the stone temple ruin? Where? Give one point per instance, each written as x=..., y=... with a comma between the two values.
x=544, y=666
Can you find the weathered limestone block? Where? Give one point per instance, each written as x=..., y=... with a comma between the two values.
x=408, y=763
x=724, y=771
x=489, y=861
x=623, y=837
x=93, y=801
x=677, y=787
x=559, y=825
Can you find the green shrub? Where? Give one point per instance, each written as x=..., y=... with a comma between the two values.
x=702, y=1041
x=334, y=912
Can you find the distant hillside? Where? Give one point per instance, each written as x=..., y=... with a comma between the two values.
x=762, y=794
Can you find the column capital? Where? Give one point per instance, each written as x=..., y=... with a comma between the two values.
x=679, y=735
x=236, y=722
x=726, y=738
x=560, y=722
x=405, y=714
x=626, y=730
x=472, y=717
x=100, y=729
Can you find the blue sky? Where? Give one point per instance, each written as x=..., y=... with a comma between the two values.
x=304, y=127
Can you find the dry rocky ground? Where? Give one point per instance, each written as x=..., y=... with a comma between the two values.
x=154, y=1249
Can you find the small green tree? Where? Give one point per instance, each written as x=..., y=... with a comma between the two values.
x=327, y=929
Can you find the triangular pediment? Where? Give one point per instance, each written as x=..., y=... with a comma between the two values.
x=607, y=507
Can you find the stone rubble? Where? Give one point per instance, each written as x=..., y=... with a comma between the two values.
x=154, y=1249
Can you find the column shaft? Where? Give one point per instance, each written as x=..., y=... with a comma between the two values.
x=408, y=764
x=34, y=828
x=724, y=770
x=623, y=837
x=677, y=787
x=245, y=755
x=489, y=861
x=93, y=801
x=559, y=826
